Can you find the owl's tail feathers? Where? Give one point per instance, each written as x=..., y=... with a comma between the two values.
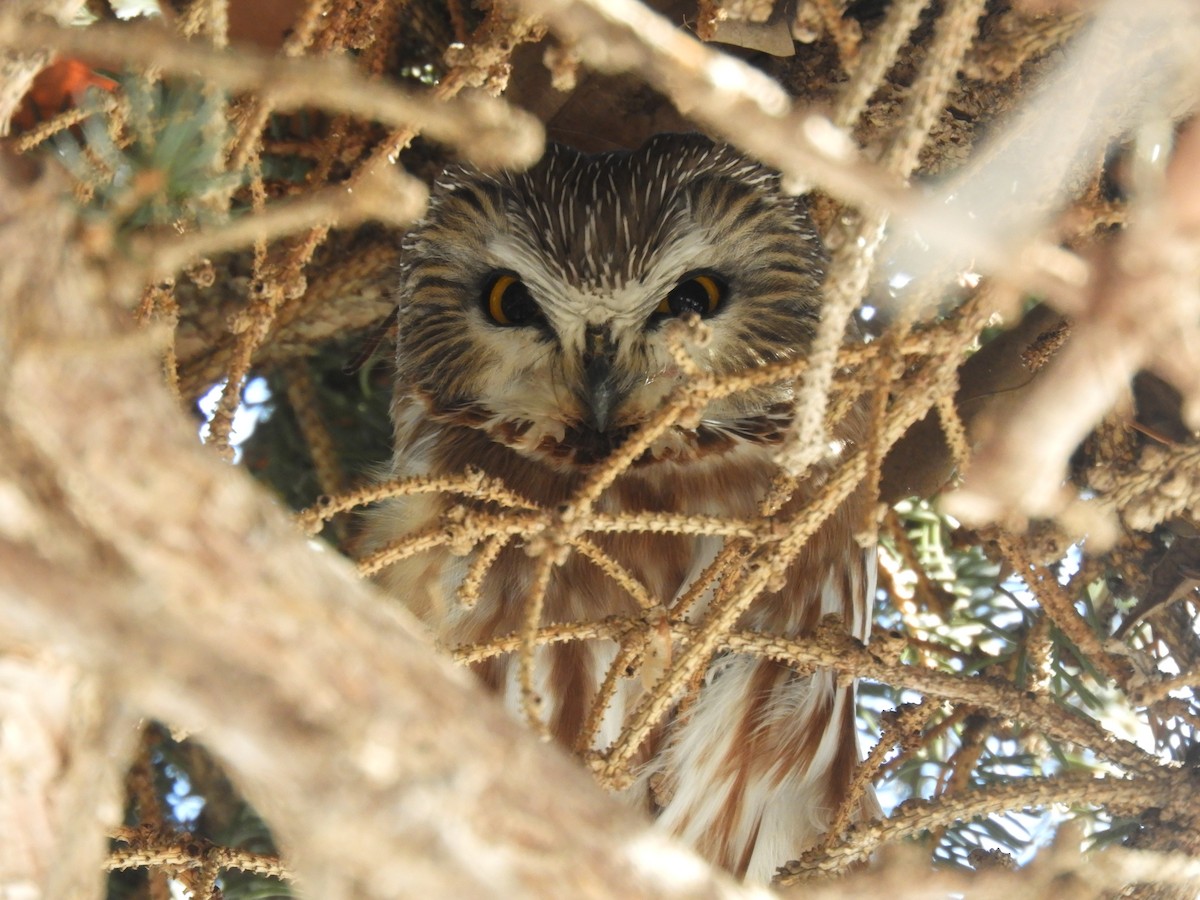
x=754, y=772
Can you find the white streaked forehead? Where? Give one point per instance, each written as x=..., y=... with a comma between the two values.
x=615, y=294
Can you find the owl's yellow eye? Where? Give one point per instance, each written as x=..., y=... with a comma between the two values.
x=509, y=302
x=700, y=294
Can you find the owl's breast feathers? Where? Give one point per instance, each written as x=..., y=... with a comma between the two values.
x=751, y=773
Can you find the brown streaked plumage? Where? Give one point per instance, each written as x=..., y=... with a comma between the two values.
x=536, y=384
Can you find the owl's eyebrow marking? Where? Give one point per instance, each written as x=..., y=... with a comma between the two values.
x=436, y=281
x=570, y=213
x=790, y=268
x=589, y=230
x=752, y=208
x=628, y=242
x=470, y=196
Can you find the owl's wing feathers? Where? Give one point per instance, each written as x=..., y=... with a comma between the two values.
x=753, y=772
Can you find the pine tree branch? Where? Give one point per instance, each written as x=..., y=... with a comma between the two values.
x=393, y=197
x=1171, y=787
x=485, y=130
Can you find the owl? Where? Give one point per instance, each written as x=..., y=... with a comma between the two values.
x=534, y=312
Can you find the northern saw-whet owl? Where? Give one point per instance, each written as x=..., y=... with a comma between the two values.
x=533, y=317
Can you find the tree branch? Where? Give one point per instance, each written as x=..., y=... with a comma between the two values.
x=486, y=130
x=383, y=769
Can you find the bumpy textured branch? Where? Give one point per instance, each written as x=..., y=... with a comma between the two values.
x=486, y=130
x=917, y=816
x=275, y=653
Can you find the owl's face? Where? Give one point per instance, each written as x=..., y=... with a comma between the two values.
x=534, y=306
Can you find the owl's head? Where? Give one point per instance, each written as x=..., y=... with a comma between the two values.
x=534, y=305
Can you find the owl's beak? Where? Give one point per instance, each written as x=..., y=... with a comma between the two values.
x=601, y=392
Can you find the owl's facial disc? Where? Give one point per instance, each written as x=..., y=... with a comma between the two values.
x=587, y=365
x=610, y=376
x=580, y=359
x=532, y=305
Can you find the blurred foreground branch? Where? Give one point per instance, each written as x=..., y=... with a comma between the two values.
x=130, y=549
x=486, y=130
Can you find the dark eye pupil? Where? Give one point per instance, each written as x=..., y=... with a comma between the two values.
x=517, y=304
x=688, y=297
